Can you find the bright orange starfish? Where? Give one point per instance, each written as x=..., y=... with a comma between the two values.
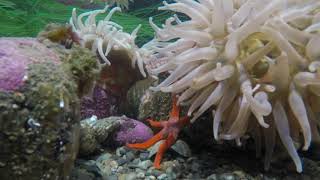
x=169, y=133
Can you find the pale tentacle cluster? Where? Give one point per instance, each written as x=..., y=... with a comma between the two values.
x=255, y=62
x=104, y=36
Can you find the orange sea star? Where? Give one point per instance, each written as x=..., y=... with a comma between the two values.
x=169, y=132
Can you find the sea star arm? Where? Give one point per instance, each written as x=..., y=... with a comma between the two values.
x=155, y=123
x=162, y=149
x=184, y=121
x=175, y=111
x=148, y=143
x=169, y=133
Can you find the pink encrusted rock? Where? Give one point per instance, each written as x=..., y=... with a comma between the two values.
x=15, y=56
x=132, y=131
x=102, y=103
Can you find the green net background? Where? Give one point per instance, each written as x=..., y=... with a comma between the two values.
x=25, y=18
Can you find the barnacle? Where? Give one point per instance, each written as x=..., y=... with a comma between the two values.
x=254, y=62
x=105, y=36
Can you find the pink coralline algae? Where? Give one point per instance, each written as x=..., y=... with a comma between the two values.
x=132, y=131
x=15, y=56
x=101, y=103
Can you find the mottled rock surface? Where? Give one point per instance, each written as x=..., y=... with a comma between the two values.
x=110, y=132
x=213, y=163
x=16, y=54
x=144, y=103
x=132, y=131
x=101, y=103
x=39, y=108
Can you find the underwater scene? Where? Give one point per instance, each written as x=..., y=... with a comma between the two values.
x=159, y=90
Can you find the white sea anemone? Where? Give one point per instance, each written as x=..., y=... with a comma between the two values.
x=254, y=62
x=105, y=36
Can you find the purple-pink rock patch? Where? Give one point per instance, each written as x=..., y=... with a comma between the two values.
x=132, y=131
x=15, y=56
x=102, y=104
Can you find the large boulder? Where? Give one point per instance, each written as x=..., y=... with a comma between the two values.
x=39, y=108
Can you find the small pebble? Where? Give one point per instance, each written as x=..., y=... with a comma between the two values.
x=136, y=161
x=129, y=156
x=162, y=177
x=114, y=164
x=144, y=156
x=141, y=175
x=169, y=170
x=120, y=151
x=212, y=177
x=112, y=177
x=120, y=169
x=227, y=176
x=121, y=161
x=155, y=172
x=151, y=178
x=145, y=164
x=130, y=176
x=104, y=157
x=195, y=166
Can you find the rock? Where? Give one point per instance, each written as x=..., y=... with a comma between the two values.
x=134, y=96
x=120, y=75
x=95, y=132
x=130, y=176
x=195, y=166
x=16, y=55
x=155, y=172
x=141, y=175
x=182, y=148
x=144, y=103
x=212, y=177
x=144, y=156
x=111, y=131
x=156, y=105
x=132, y=131
x=227, y=176
x=107, y=165
x=154, y=149
x=88, y=141
x=39, y=117
x=144, y=165
x=101, y=103
x=121, y=151
x=104, y=157
x=86, y=170
x=199, y=134
x=82, y=175
x=151, y=178
x=162, y=177
x=129, y=156
x=122, y=161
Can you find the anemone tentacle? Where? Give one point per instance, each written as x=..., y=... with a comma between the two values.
x=253, y=62
x=105, y=36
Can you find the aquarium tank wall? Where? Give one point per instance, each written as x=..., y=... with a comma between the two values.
x=148, y=89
